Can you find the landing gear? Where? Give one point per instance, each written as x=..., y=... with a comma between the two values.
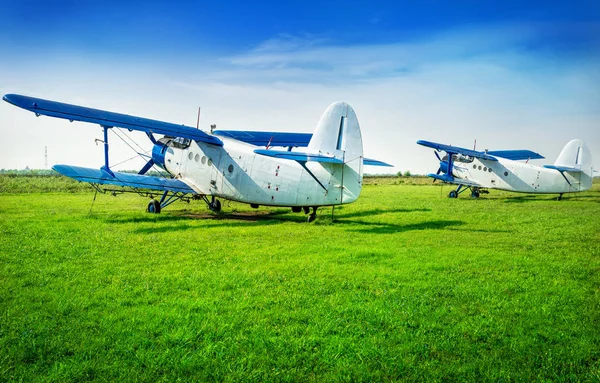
x=560, y=196
x=453, y=194
x=215, y=205
x=296, y=209
x=312, y=216
x=475, y=193
x=153, y=207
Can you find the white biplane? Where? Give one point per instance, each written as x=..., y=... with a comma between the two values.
x=240, y=166
x=478, y=171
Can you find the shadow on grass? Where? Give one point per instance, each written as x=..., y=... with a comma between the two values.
x=372, y=212
x=386, y=228
x=552, y=197
x=247, y=217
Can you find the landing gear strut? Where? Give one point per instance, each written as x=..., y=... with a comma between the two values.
x=560, y=196
x=312, y=216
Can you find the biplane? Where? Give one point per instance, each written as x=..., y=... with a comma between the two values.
x=478, y=171
x=302, y=171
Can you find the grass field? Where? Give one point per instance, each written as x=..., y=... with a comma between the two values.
x=405, y=284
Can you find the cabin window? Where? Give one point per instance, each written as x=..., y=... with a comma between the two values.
x=197, y=158
x=191, y=156
x=203, y=160
x=479, y=167
x=474, y=166
x=230, y=168
x=463, y=159
x=485, y=168
x=490, y=170
x=210, y=162
x=505, y=174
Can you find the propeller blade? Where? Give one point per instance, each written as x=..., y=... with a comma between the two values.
x=437, y=155
x=439, y=171
x=146, y=167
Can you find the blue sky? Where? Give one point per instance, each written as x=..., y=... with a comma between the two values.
x=510, y=74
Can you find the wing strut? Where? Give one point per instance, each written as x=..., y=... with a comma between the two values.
x=303, y=164
x=106, y=168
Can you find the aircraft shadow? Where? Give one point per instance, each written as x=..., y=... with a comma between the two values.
x=386, y=228
x=372, y=212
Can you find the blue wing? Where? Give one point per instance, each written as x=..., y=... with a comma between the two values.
x=98, y=176
x=109, y=119
x=267, y=138
x=516, y=154
x=457, y=150
x=451, y=180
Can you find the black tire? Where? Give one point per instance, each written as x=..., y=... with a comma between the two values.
x=296, y=209
x=216, y=206
x=153, y=207
x=475, y=194
x=453, y=194
x=311, y=217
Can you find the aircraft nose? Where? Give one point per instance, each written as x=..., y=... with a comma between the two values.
x=444, y=167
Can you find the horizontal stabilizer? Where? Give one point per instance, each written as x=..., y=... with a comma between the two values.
x=371, y=162
x=516, y=154
x=452, y=180
x=267, y=138
x=298, y=156
x=457, y=150
x=109, y=119
x=563, y=168
x=98, y=176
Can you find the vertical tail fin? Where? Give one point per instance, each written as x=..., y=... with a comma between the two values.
x=577, y=155
x=338, y=134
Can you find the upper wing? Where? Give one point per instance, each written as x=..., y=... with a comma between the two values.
x=99, y=176
x=267, y=138
x=457, y=150
x=109, y=119
x=516, y=154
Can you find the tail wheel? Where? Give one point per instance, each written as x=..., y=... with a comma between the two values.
x=153, y=207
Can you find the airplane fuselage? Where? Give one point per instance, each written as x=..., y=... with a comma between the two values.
x=236, y=173
x=519, y=176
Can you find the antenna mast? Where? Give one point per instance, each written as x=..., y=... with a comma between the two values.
x=198, y=121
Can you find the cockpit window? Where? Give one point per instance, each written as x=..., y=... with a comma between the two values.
x=181, y=143
x=458, y=158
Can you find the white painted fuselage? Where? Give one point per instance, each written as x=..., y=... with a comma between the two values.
x=236, y=173
x=520, y=177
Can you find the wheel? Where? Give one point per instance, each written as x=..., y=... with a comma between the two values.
x=475, y=194
x=215, y=206
x=296, y=209
x=311, y=217
x=453, y=194
x=153, y=207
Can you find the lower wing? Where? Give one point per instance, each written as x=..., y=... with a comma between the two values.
x=98, y=176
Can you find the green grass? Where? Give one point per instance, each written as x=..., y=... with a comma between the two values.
x=404, y=284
